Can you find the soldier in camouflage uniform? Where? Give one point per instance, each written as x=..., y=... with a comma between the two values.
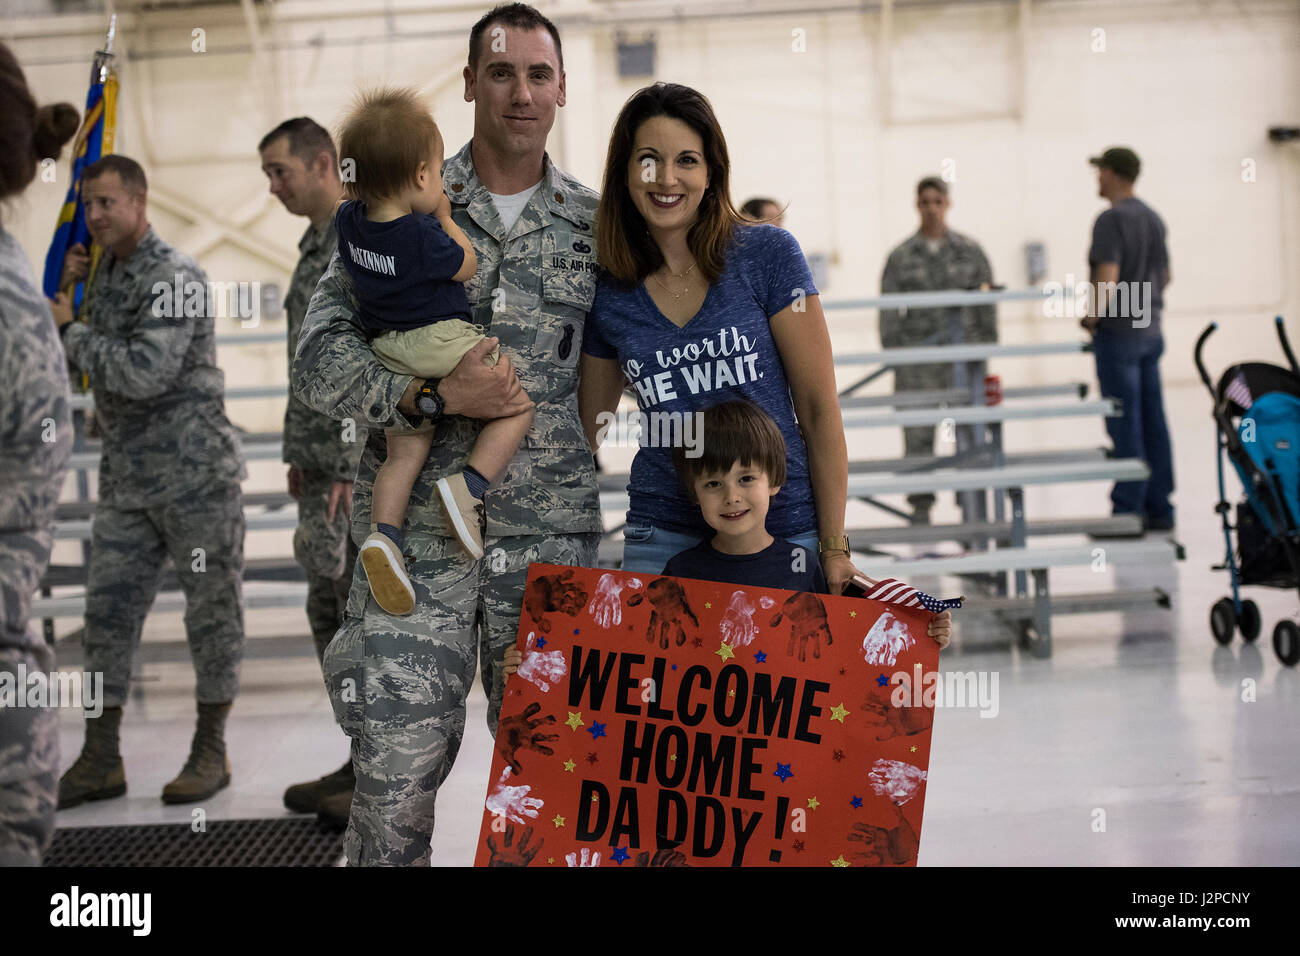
x=398, y=684
x=168, y=478
x=36, y=438
x=935, y=259
x=299, y=159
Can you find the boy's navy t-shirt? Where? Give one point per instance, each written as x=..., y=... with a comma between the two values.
x=401, y=270
x=1131, y=234
x=770, y=568
x=725, y=352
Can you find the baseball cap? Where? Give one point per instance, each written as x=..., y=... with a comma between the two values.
x=1121, y=159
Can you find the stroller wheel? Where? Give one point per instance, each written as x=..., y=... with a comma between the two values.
x=1223, y=618
x=1249, y=623
x=1286, y=642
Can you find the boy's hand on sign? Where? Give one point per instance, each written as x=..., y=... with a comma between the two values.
x=940, y=629
x=519, y=855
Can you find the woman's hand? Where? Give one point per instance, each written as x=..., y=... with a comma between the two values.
x=941, y=629
x=839, y=571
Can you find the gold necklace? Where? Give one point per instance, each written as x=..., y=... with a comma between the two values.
x=685, y=287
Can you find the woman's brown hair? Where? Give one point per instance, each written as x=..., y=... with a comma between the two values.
x=626, y=247
x=27, y=134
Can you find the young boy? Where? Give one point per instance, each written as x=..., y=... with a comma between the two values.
x=407, y=260
x=742, y=467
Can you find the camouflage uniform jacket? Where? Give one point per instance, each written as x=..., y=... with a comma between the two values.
x=35, y=438
x=312, y=441
x=533, y=289
x=159, y=396
x=959, y=263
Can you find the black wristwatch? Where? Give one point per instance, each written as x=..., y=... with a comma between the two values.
x=428, y=401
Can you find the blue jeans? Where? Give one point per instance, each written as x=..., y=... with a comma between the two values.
x=1128, y=370
x=646, y=549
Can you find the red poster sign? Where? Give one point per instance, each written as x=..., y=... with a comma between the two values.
x=662, y=721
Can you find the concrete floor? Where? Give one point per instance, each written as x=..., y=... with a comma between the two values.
x=1132, y=745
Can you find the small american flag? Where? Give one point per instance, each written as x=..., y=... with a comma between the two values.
x=1238, y=392
x=892, y=591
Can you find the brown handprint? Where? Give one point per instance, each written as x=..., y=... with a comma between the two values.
x=664, y=857
x=807, y=624
x=519, y=855
x=899, y=721
x=892, y=847
x=520, y=732
x=553, y=592
x=670, y=610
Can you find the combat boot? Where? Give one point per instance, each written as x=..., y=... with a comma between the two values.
x=98, y=773
x=335, y=809
x=306, y=797
x=207, y=770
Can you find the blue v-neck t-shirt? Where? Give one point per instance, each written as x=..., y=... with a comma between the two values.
x=725, y=352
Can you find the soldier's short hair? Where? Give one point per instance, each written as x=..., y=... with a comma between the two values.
x=307, y=140
x=128, y=170
x=521, y=16
x=753, y=208
x=931, y=182
x=386, y=135
x=731, y=432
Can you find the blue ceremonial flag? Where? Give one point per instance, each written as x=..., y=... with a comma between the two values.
x=94, y=139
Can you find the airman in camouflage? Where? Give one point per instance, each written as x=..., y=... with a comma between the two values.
x=36, y=435
x=398, y=684
x=935, y=259
x=168, y=477
x=301, y=165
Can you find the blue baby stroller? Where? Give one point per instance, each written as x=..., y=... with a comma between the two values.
x=1257, y=412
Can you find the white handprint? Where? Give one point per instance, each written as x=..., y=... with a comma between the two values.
x=589, y=858
x=766, y=603
x=541, y=667
x=606, y=609
x=887, y=639
x=896, y=780
x=738, y=627
x=511, y=802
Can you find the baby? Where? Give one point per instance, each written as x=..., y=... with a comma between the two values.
x=407, y=260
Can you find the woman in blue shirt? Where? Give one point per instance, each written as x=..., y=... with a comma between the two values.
x=696, y=307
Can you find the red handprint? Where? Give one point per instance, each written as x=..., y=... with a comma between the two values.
x=553, y=592
x=520, y=733
x=892, y=847
x=807, y=624
x=671, y=608
x=664, y=857
x=521, y=854
x=899, y=721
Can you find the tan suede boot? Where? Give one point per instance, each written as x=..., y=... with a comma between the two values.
x=207, y=770
x=98, y=772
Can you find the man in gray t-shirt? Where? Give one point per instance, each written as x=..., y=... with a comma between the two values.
x=1129, y=266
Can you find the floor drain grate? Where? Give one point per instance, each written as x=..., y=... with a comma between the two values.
x=284, y=841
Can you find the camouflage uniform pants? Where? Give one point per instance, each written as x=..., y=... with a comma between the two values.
x=918, y=441
x=327, y=553
x=29, y=765
x=127, y=550
x=399, y=684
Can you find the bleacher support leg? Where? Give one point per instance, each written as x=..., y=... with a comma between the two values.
x=1042, y=645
